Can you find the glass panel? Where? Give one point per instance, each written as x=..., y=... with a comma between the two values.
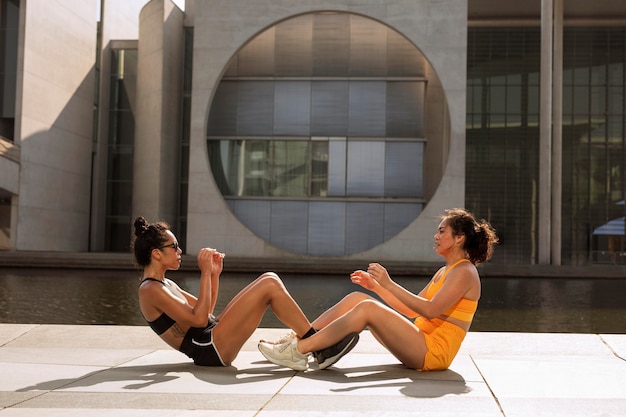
x=405, y=109
x=580, y=100
x=121, y=138
x=367, y=108
x=327, y=223
x=474, y=104
x=289, y=169
x=398, y=216
x=598, y=75
x=261, y=168
x=9, y=36
x=403, y=58
x=120, y=166
x=497, y=96
x=514, y=97
x=255, y=104
x=331, y=44
x=183, y=193
x=403, y=169
x=289, y=225
x=364, y=226
x=366, y=168
x=533, y=102
x=257, y=57
x=121, y=128
x=293, y=51
x=329, y=108
x=255, y=214
x=337, y=167
x=224, y=159
x=116, y=234
x=119, y=198
x=241, y=168
x=223, y=114
x=616, y=100
x=292, y=104
x=319, y=168
x=367, y=41
x=581, y=76
x=616, y=73
x=598, y=101
x=501, y=155
x=257, y=177
x=188, y=61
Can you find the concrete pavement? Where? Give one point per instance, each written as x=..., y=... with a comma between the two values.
x=68, y=370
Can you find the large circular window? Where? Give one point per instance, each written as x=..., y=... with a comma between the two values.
x=316, y=134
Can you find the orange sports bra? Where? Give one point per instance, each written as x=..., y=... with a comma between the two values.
x=464, y=309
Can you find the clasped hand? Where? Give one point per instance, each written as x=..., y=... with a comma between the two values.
x=376, y=275
x=210, y=260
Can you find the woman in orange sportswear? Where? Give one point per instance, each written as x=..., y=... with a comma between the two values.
x=441, y=313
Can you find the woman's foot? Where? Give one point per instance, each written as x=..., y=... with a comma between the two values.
x=284, y=339
x=329, y=356
x=285, y=354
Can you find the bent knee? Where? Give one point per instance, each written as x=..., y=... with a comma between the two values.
x=270, y=279
x=357, y=297
x=269, y=275
x=368, y=307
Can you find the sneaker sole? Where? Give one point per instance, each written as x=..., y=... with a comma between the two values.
x=333, y=360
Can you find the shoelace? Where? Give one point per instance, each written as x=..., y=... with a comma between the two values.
x=284, y=339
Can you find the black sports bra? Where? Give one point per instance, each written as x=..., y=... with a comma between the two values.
x=163, y=322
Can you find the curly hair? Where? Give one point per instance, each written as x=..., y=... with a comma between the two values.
x=148, y=236
x=480, y=236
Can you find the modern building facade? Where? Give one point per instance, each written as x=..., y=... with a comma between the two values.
x=315, y=129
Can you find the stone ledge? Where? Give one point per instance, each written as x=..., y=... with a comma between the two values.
x=124, y=261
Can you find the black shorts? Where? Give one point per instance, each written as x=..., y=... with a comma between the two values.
x=198, y=345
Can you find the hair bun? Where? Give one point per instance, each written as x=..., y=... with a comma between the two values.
x=141, y=225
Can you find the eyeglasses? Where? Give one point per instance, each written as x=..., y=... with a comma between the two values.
x=171, y=245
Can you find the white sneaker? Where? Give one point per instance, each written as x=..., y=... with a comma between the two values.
x=284, y=339
x=285, y=354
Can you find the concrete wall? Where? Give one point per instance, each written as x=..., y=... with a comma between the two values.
x=53, y=126
x=221, y=27
x=158, y=127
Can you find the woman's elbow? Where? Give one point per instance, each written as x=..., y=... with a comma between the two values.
x=199, y=321
x=429, y=313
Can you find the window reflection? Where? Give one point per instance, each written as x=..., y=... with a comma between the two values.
x=503, y=139
x=317, y=168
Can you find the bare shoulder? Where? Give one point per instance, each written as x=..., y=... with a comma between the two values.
x=465, y=266
x=467, y=275
x=151, y=288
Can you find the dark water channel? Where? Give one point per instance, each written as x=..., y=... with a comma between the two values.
x=59, y=296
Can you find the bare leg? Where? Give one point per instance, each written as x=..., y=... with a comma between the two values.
x=244, y=313
x=339, y=309
x=404, y=340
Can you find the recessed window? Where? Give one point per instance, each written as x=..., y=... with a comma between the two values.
x=316, y=134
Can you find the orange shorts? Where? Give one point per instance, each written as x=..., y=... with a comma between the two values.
x=443, y=340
